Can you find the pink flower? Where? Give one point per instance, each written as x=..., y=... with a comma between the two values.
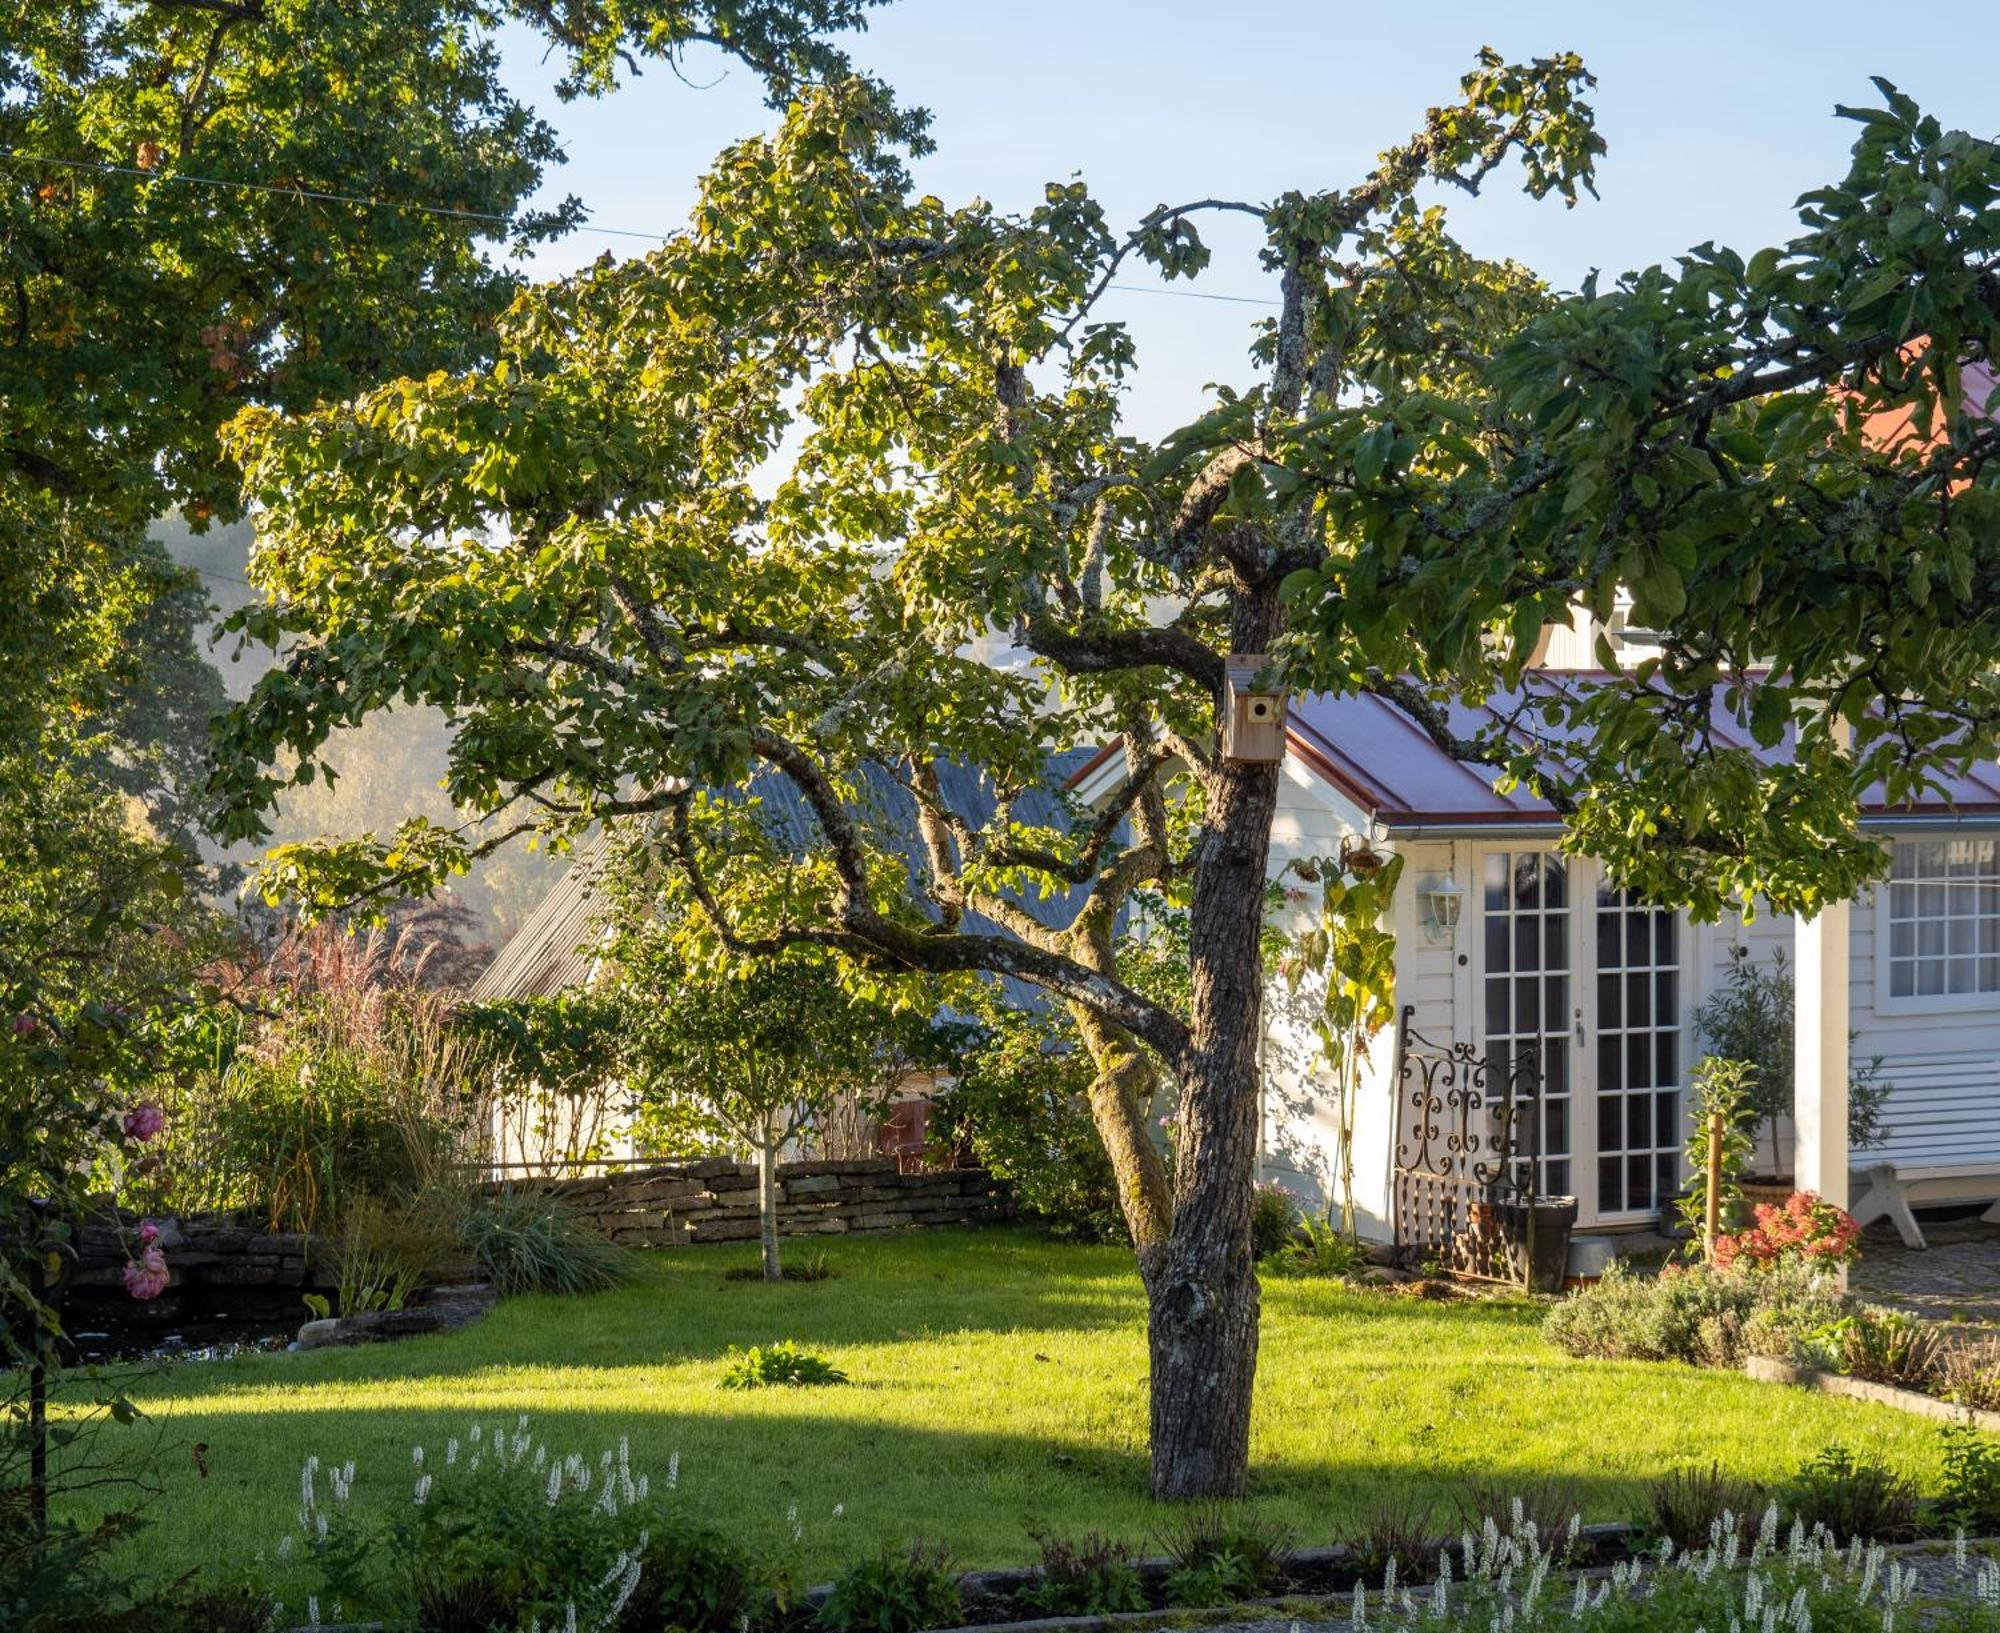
x=149, y=1233
x=25, y=1026
x=147, y=1278
x=144, y=1121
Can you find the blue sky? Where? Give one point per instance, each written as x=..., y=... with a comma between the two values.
x=1717, y=118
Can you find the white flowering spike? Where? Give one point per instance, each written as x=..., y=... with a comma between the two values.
x=555, y=1486
x=451, y=1451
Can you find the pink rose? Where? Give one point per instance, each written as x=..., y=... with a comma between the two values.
x=144, y=1121
x=149, y=1233
x=148, y=1278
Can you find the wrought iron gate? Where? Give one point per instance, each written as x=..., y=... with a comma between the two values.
x=1466, y=1165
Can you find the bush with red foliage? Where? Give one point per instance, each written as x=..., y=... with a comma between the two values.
x=1804, y=1228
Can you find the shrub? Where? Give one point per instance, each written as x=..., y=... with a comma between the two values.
x=1851, y=1498
x=1222, y=1555
x=1679, y=1315
x=1970, y=1374
x=358, y=1082
x=528, y=1242
x=1547, y=1510
x=499, y=1532
x=1804, y=1228
x=895, y=1592
x=1693, y=1507
x=384, y=1254
x=1969, y=1492
x=1318, y=1249
x=1705, y=1317
x=694, y=1578
x=1399, y=1531
x=1888, y=1347
x=1020, y=1111
x=1274, y=1214
x=784, y=1364
x=1088, y=1575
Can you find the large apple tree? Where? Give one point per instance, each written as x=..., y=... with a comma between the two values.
x=838, y=480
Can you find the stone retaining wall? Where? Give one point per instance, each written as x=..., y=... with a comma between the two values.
x=213, y=1250
x=715, y=1200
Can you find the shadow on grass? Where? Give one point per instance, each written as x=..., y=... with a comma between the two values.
x=1000, y=1387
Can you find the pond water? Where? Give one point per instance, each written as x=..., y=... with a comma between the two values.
x=117, y=1329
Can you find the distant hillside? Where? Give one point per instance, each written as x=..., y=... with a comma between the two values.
x=388, y=769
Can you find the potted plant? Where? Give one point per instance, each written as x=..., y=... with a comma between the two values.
x=1750, y=1019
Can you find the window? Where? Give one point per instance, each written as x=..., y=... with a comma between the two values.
x=1944, y=918
x=1528, y=1014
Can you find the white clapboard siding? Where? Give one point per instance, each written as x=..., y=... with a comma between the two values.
x=1942, y=1111
x=1941, y=1140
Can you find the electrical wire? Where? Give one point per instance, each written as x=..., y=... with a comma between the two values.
x=320, y=195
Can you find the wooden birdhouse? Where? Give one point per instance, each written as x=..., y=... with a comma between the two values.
x=1253, y=718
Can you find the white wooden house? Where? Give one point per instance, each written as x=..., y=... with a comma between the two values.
x=1547, y=958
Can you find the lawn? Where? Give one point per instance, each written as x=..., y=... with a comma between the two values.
x=998, y=1387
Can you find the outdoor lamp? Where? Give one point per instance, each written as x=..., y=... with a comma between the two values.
x=1443, y=900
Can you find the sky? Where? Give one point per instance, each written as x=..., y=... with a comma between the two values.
x=1717, y=118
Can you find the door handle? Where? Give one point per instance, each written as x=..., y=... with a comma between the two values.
x=1581, y=1040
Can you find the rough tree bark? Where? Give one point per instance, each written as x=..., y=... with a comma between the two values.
x=1202, y=1326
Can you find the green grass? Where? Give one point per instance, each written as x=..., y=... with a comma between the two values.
x=998, y=1385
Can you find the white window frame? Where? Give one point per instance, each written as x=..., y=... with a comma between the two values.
x=1889, y=1002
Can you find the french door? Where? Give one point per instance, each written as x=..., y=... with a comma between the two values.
x=1587, y=983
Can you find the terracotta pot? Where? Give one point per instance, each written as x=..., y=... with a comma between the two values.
x=1776, y=1191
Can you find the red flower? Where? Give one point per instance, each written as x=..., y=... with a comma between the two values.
x=148, y=1278
x=144, y=1121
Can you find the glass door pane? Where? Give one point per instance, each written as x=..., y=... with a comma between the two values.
x=1526, y=924
x=1638, y=1055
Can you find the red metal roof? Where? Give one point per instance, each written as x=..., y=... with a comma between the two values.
x=1382, y=760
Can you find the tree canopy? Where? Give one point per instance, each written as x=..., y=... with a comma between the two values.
x=839, y=478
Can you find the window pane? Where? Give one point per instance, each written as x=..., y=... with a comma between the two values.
x=1555, y=875
x=1609, y=1014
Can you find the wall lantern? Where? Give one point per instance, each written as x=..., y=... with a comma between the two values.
x=1253, y=717
x=1443, y=901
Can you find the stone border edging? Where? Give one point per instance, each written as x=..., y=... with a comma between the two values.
x=1769, y=1369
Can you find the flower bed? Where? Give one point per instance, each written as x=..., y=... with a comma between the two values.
x=1770, y=1295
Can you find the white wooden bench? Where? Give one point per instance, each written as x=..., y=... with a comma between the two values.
x=1941, y=1141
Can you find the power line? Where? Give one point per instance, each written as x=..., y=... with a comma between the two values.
x=319, y=195
x=316, y=195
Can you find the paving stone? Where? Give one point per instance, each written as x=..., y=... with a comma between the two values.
x=1955, y=1278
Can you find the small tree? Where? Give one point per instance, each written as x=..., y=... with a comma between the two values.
x=1750, y=1020
x=752, y=1052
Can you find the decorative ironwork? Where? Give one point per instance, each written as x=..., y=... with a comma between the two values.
x=1467, y=1167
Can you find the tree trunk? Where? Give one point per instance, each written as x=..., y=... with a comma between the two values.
x=1121, y=1096
x=1203, y=1327
x=767, y=1197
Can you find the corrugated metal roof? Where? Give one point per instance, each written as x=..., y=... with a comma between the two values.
x=1382, y=760
x=557, y=945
